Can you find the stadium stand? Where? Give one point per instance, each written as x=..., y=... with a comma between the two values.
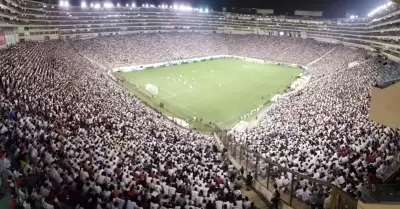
x=73, y=138
x=82, y=140
x=79, y=128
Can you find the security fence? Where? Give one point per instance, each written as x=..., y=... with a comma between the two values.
x=268, y=173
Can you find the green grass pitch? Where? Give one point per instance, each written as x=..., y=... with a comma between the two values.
x=217, y=91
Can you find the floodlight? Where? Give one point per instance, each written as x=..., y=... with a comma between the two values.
x=83, y=5
x=108, y=5
x=147, y=5
x=61, y=3
x=143, y=5
x=176, y=6
x=133, y=5
x=66, y=4
x=206, y=11
x=127, y=5
x=97, y=6
x=118, y=5
x=380, y=8
x=281, y=33
x=91, y=5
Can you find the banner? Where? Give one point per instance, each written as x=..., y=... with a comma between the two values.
x=308, y=13
x=2, y=38
x=179, y=62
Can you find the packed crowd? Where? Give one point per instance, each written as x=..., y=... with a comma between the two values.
x=145, y=48
x=323, y=131
x=148, y=48
x=77, y=138
x=90, y=143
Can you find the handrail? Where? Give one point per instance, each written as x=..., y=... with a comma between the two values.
x=339, y=198
x=393, y=167
x=381, y=193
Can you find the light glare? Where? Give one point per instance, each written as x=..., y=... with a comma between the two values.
x=108, y=5
x=380, y=8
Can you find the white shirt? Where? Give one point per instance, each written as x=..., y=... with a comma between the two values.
x=218, y=204
x=305, y=196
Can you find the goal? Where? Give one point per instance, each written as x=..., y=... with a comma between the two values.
x=152, y=89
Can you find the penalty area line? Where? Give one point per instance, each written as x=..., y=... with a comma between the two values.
x=174, y=94
x=170, y=94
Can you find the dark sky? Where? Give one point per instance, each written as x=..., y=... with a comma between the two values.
x=331, y=8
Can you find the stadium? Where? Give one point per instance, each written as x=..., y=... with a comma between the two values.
x=108, y=105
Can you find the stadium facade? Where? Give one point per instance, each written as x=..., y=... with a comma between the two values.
x=25, y=20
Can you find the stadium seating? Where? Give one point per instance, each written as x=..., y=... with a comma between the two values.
x=90, y=143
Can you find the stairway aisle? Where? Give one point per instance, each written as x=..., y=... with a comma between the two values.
x=253, y=196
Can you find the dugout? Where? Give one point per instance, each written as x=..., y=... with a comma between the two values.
x=385, y=103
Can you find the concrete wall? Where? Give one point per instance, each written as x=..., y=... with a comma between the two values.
x=327, y=40
x=367, y=47
x=42, y=37
x=36, y=34
x=362, y=205
x=391, y=57
x=385, y=105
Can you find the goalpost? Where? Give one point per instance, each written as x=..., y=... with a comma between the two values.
x=152, y=89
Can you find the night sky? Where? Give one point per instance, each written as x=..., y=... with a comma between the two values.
x=330, y=8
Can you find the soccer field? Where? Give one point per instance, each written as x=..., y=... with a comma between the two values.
x=218, y=91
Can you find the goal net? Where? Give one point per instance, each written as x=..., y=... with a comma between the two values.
x=152, y=89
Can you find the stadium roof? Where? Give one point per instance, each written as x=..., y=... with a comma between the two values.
x=330, y=8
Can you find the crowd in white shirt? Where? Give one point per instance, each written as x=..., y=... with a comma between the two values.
x=80, y=139
x=323, y=131
x=88, y=142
